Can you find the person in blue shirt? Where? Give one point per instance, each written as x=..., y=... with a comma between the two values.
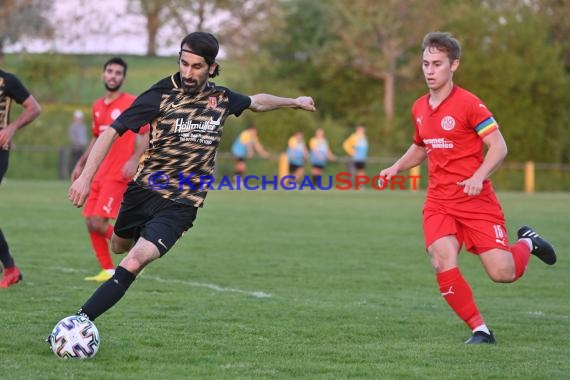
x=244, y=147
x=319, y=154
x=356, y=146
x=297, y=154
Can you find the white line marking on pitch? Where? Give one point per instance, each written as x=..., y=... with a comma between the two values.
x=217, y=288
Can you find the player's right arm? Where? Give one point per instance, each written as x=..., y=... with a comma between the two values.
x=414, y=156
x=80, y=187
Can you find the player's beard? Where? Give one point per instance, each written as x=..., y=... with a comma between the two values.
x=193, y=86
x=113, y=89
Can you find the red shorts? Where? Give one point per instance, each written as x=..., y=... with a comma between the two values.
x=105, y=199
x=478, y=223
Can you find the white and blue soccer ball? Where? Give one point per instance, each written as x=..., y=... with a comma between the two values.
x=74, y=337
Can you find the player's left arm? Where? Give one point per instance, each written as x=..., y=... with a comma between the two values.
x=31, y=111
x=267, y=102
x=496, y=153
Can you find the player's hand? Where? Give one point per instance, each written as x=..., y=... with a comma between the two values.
x=386, y=175
x=306, y=103
x=6, y=135
x=471, y=186
x=78, y=191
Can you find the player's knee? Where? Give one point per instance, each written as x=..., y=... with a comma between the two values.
x=119, y=245
x=136, y=261
x=441, y=264
x=96, y=225
x=89, y=224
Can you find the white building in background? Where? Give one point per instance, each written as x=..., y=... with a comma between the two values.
x=94, y=27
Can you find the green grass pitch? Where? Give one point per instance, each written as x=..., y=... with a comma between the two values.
x=283, y=285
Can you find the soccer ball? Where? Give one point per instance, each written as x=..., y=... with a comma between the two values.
x=74, y=337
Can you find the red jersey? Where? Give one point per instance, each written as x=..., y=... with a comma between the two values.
x=452, y=135
x=123, y=147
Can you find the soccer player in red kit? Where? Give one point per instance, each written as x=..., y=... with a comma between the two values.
x=119, y=166
x=451, y=127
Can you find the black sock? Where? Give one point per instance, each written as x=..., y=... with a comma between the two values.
x=108, y=294
x=5, y=258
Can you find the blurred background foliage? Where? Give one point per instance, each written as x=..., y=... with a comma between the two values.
x=359, y=59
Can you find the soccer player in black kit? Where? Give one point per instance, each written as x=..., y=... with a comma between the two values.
x=186, y=113
x=12, y=89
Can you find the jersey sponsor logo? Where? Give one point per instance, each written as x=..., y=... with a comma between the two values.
x=189, y=125
x=447, y=123
x=438, y=143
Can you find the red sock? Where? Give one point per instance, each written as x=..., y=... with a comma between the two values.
x=458, y=295
x=101, y=248
x=109, y=232
x=521, y=255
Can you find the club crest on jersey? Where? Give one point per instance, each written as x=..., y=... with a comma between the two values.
x=212, y=102
x=115, y=113
x=448, y=123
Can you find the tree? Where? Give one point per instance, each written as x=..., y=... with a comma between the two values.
x=237, y=22
x=373, y=37
x=510, y=61
x=20, y=18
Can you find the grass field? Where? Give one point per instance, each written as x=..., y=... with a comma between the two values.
x=283, y=285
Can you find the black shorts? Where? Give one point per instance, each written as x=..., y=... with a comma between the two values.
x=318, y=166
x=239, y=159
x=4, y=156
x=159, y=220
x=359, y=164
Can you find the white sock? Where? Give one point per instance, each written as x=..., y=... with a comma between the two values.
x=483, y=328
x=110, y=271
x=528, y=242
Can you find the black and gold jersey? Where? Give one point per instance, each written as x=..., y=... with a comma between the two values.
x=10, y=89
x=185, y=134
